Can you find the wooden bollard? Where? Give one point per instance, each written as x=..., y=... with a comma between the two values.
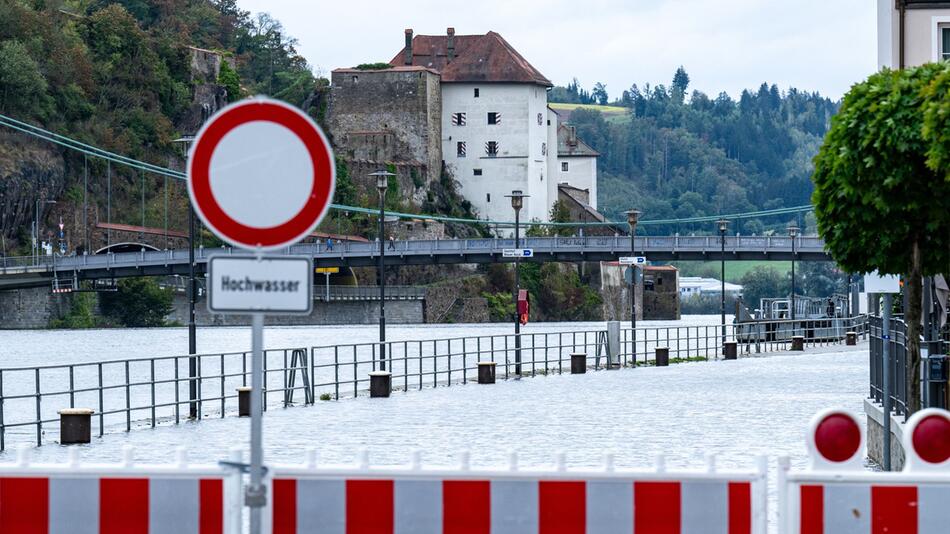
x=380, y=384
x=798, y=342
x=486, y=372
x=75, y=425
x=578, y=363
x=244, y=401
x=662, y=356
x=851, y=338
x=730, y=350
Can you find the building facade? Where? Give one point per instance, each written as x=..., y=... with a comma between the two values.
x=912, y=32
x=467, y=105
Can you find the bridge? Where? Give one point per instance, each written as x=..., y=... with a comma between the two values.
x=20, y=272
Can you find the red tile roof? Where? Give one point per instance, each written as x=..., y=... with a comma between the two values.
x=478, y=58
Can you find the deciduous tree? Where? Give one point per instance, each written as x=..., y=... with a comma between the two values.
x=878, y=204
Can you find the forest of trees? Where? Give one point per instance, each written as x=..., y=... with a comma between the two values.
x=679, y=154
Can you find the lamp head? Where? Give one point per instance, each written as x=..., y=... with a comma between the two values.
x=632, y=217
x=382, y=179
x=793, y=230
x=722, y=224
x=517, y=199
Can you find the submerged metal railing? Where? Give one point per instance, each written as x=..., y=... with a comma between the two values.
x=146, y=392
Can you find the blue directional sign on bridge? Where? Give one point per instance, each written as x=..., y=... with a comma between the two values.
x=518, y=253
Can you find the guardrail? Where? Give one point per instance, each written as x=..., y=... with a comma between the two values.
x=363, y=293
x=898, y=355
x=145, y=392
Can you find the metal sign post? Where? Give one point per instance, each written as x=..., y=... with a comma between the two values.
x=886, y=339
x=256, y=496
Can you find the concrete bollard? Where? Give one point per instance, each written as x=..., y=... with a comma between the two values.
x=486, y=372
x=75, y=425
x=662, y=356
x=380, y=384
x=798, y=342
x=578, y=363
x=244, y=401
x=851, y=338
x=730, y=350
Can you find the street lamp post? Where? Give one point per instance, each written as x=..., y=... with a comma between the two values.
x=36, y=229
x=793, y=233
x=382, y=182
x=723, y=224
x=633, y=216
x=517, y=202
x=192, y=298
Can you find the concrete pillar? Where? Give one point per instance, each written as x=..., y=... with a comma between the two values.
x=578, y=363
x=851, y=338
x=662, y=356
x=798, y=342
x=75, y=425
x=730, y=350
x=244, y=401
x=486, y=372
x=380, y=384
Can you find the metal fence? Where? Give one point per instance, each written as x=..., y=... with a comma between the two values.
x=146, y=392
x=898, y=365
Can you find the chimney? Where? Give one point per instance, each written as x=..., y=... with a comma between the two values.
x=450, y=32
x=408, y=53
x=572, y=136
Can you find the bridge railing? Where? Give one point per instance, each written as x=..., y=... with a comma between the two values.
x=145, y=392
x=643, y=244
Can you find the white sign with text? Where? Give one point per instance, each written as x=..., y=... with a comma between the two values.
x=269, y=284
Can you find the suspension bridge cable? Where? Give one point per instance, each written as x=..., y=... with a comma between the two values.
x=90, y=150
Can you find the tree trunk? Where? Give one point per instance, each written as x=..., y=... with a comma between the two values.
x=914, y=287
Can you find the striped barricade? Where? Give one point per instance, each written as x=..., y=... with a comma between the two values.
x=839, y=495
x=118, y=499
x=358, y=500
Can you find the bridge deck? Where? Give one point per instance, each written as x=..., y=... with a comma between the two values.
x=25, y=272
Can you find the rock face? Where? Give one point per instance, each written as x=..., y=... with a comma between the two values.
x=208, y=96
x=30, y=170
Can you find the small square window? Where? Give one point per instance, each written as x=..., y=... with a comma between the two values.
x=356, y=79
x=540, y=120
x=488, y=197
x=544, y=149
x=458, y=119
x=476, y=92
x=491, y=148
x=494, y=117
x=477, y=172
x=563, y=166
x=460, y=149
x=549, y=122
x=944, y=42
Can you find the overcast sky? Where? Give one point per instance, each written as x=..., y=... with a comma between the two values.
x=823, y=45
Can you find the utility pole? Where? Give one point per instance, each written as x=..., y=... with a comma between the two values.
x=723, y=224
x=382, y=182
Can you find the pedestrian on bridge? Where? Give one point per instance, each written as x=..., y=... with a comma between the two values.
x=329, y=244
x=392, y=243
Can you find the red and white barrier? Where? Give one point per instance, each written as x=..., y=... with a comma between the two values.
x=118, y=499
x=356, y=500
x=838, y=495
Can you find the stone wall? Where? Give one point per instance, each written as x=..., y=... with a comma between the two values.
x=387, y=116
x=661, y=297
x=31, y=308
x=875, y=436
x=342, y=312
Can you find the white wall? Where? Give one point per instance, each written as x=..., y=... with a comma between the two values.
x=581, y=173
x=519, y=164
x=921, y=36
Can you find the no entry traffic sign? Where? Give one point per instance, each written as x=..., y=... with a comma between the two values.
x=261, y=174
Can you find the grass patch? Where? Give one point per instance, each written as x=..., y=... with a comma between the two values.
x=735, y=270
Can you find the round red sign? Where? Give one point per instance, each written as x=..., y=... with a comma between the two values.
x=261, y=174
